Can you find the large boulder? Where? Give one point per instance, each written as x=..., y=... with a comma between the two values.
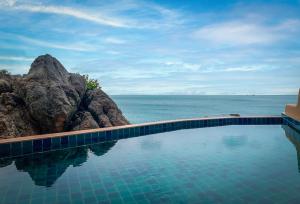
x=51, y=94
x=50, y=99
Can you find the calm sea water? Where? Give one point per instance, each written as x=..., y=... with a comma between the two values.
x=139, y=109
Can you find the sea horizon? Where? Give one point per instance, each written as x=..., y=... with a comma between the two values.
x=150, y=108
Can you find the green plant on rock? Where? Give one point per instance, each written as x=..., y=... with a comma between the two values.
x=4, y=72
x=91, y=84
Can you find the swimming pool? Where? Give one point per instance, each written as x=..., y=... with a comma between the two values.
x=209, y=165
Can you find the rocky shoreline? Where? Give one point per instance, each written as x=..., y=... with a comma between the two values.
x=49, y=99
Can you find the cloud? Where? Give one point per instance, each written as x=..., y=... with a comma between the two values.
x=74, y=46
x=236, y=33
x=114, y=40
x=68, y=11
x=15, y=58
x=245, y=33
x=183, y=65
x=151, y=15
x=241, y=69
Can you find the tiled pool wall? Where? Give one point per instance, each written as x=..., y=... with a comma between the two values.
x=36, y=144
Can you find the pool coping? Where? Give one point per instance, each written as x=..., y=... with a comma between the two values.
x=290, y=121
x=20, y=146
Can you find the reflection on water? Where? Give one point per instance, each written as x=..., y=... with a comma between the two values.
x=294, y=137
x=234, y=141
x=44, y=169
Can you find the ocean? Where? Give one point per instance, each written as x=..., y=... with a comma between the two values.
x=148, y=108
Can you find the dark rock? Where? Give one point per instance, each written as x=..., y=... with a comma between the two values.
x=104, y=110
x=49, y=94
x=5, y=86
x=49, y=99
x=14, y=118
x=82, y=121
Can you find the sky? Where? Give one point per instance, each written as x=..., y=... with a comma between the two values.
x=199, y=47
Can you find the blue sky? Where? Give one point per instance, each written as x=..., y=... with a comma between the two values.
x=160, y=47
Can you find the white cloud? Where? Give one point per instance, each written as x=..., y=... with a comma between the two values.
x=183, y=65
x=114, y=14
x=62, y=10
x=16, y=58
x=244, y=32
x=74, y=46
x=237, y=32
x=241, y=69
x=114, y=40
x=7, y=2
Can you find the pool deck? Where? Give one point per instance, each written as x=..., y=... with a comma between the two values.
x=47, y=142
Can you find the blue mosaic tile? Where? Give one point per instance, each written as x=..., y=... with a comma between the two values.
x=178, y=126
x=108, y=135
x=47, y=144
x=193, y=124
x=55, y=143
x=119, y=134
x=126, y=133
x=142, y=130
x=80, y=139
x=152, y=129
x=37, y=145
x=64, y=141
x=72, y=141
x=95, y=138
x=87, y=138
x=137, y=131
x=27, y=147
x=101, y=136
x=16, y=148
x=251, y=121
x=161, y=128
x=131, y=132
x=164, y=127
x=5, y=150
x=114, y=134
x=146, y=130
x=174, y=126
x=235, y=121
x=156, y=129
x=209, y=123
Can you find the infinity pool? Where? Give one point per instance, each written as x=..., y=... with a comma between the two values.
x=229, y=164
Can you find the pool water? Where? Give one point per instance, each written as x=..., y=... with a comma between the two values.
x=229, y=164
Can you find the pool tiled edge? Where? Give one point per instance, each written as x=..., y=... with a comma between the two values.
x=42, y=143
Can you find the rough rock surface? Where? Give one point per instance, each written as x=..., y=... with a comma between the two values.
x=103, y=109
x=83, y=120
x=50, y=99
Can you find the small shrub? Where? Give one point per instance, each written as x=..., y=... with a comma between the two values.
x=91, y=83
x=4, y=72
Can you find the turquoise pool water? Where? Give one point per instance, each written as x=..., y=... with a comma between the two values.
x=229, y=164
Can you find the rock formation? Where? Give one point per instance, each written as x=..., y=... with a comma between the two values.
x=50, y=99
